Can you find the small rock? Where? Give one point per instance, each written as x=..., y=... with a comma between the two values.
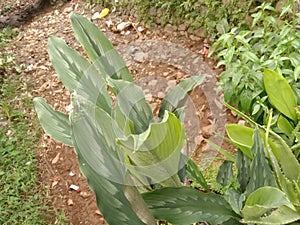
x=170, y=28
x=153, y=82
x=123, y=25
x=161, y=94
x=171, y=83
x=139, y=57
x=98, y=212
x=194, y=38
x=72, y=174
x=140, y=29
x=70, y=202
x=148, y=97
x=84, y=194
x=68, y=9
x=182, y=27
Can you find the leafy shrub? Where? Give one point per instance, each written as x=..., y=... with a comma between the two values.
x=212, y=16
x=131, y=160
x=273, y=42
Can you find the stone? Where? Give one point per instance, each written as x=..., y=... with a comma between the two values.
x=182, y=27
x=170, y=28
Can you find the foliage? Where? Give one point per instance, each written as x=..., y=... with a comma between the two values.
x=215, y=17
x=273, y=42
x=121, y=146
x=118, y=142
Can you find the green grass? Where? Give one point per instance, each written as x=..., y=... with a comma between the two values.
x=23, y=200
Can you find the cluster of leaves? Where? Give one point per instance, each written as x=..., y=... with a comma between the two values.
x=121, y=145
x=273, y=42
x=208, y=15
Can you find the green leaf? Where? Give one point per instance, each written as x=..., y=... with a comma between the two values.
x=250, y=56
x=177, y=96
x=260, y=172
x=225, y=173
x=132, y=103
x=100, y=160
x=194, y=173
x=243, y=166
x=229, y=156
x=99, y=49
x=284, y=125
x=156, y=152
x=289, y=185
x=246, y=100
x=235, y=199
x=69, y=65
x=93, y=88
x=269, y=205
x=185, y=206
x=242, y=136
x=55, y=123
x=116, y=207
x=280, y=93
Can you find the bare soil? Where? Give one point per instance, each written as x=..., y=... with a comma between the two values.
x=58, y=163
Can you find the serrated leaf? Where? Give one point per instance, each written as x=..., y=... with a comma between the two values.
x=185, y=206
x=260, y=172
x=55, y=123
x=156, y=152
x=132, y=103
x=99, y=49
x=177, y=96
x=280, y=94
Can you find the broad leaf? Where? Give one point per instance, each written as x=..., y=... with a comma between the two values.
x=69, y=65
x=132, y=103
x=284, y=125
x=235, y=200
x=269, y=205
x=99, y=48
x=100, y=161
x=186, y=206
x=280, y=93
x=55, y=123
x=241, y=136
x=156, y=152
x=177, y=96
x=114, y=208
x=260, y=171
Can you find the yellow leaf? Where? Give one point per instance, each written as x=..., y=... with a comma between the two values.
x=103, y=13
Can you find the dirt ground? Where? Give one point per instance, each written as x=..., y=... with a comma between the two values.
x=205, y=114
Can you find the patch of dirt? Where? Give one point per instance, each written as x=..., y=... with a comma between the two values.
x=58, y=163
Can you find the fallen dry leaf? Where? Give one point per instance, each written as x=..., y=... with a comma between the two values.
x=56, y=158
